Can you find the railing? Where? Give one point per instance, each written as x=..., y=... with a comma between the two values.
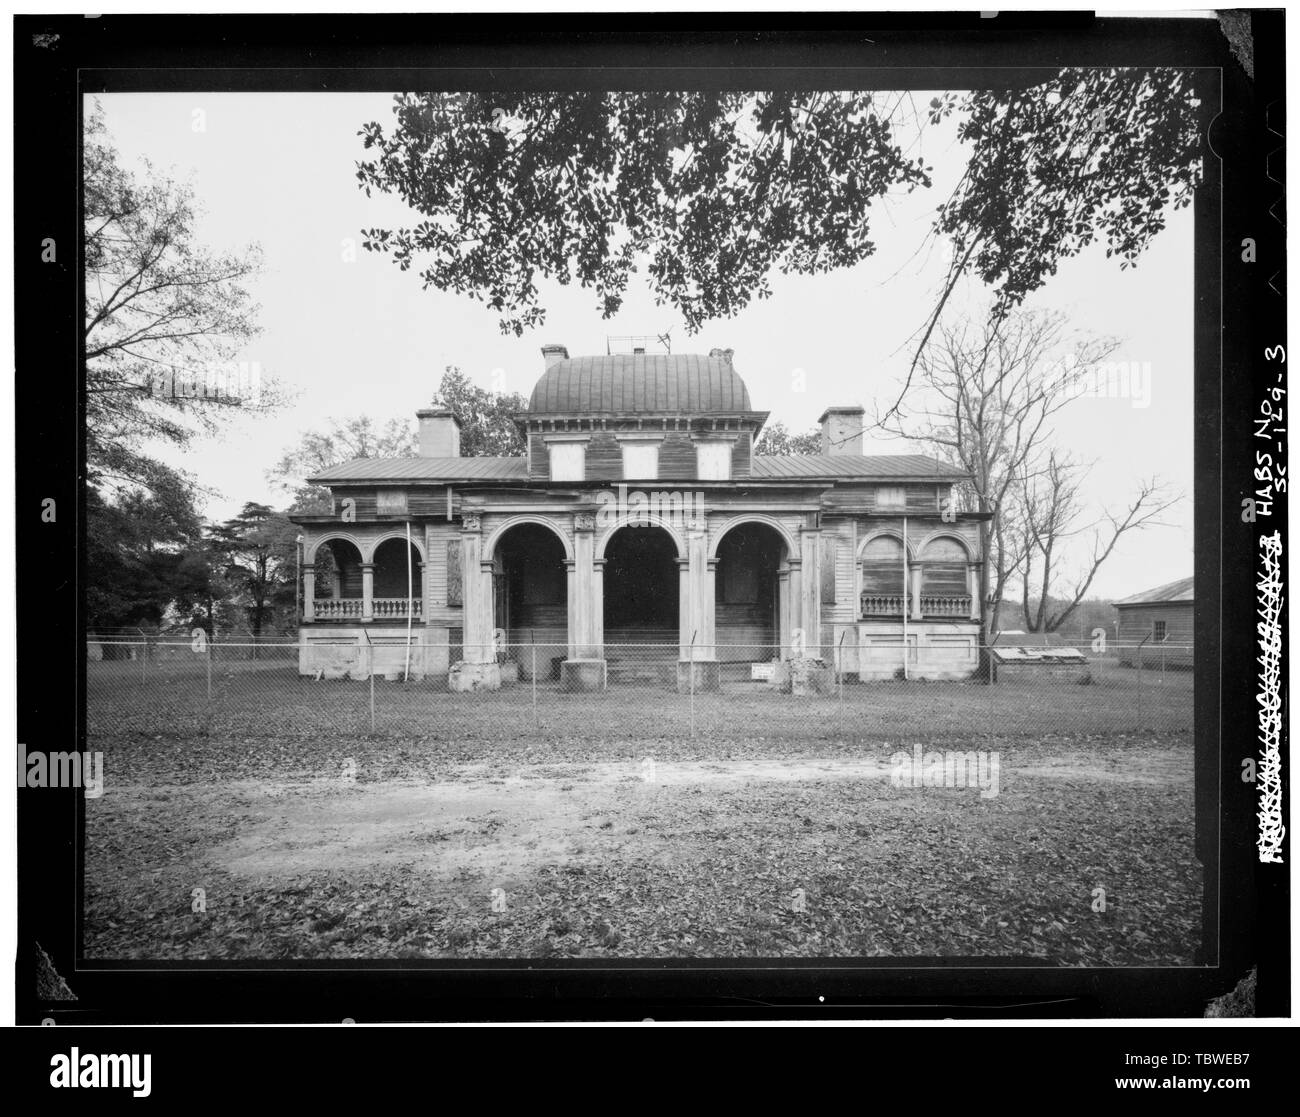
x=932, y=605
x=351, y=608
x=393, y=608
x=883, y=605
x=958, y=606
x=337, y=608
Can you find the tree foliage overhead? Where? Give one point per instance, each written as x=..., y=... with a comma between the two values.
x=718, y=190
x=715, y=189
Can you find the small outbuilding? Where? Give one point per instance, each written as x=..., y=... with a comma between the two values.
x=1155, y=626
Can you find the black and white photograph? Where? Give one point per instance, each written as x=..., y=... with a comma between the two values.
x=755, y=507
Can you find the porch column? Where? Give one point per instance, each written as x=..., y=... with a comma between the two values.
x=598, y=612
x=367, y=591
x=973, y=588
x=584, y=669
x=479, y=669
x=308, y=592
x=571, y=608
x=585, y=605
x=699, y=592
x=810, y=587
x=698, y=667
x=796, y=640
x=476, y=595
x=914, y=572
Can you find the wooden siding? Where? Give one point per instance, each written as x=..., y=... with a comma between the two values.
x=1136, y=622
x=604, y=455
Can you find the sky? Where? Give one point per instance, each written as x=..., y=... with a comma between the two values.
x=346, y=333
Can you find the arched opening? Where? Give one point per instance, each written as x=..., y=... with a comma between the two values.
x=338, y=581
x=747, y=599
x=641, y=587
x=883, y=593
x=393, y=577
x=530, y=585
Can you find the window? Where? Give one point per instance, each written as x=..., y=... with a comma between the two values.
x=891, y=496
x=568, y=461
x=391, y=502
x=713, y=461
x=943, y=568
x=882, y=571
x=1158, y=631
x=640, y=461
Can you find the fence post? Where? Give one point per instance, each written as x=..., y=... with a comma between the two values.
x=1140, y=658
x=532, y=636
x=209, y=662
x=839, y=671
x=371, y=674
x=691, y=671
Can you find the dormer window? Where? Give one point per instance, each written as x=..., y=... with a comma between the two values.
x=568, y=458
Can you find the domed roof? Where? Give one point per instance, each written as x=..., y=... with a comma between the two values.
x=653, y=383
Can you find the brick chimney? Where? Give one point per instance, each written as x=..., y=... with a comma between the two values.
x=842, y=430
x=439, y=433
x=553, y=353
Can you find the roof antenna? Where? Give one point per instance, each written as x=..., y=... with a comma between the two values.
x=666, y=340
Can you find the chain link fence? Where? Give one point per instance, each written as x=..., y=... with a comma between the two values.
x=176, y=689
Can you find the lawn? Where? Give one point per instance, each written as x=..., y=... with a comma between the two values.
x=597, y=826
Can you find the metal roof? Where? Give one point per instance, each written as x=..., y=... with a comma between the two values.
x=792, y=467
x=425, y=469
x=1171, y=593
x=912, y=467
x=641, y=383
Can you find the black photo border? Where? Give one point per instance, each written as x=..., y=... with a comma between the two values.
x=1240, y=311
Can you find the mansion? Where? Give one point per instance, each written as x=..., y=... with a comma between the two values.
x=640, y=525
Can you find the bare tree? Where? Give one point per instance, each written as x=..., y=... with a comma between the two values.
x=987, y=392
x=164, y=318
x=1051, y=515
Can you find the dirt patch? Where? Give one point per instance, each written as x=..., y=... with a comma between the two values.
x=470, y=821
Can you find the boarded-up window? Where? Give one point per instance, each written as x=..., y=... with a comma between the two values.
x=640, y=461
x=453, y=573
x=713, y=461
x=891, y=496
x=828, y=570
x=391, y=502
x=568, y=461
x=943, y=568
x=882, y=566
